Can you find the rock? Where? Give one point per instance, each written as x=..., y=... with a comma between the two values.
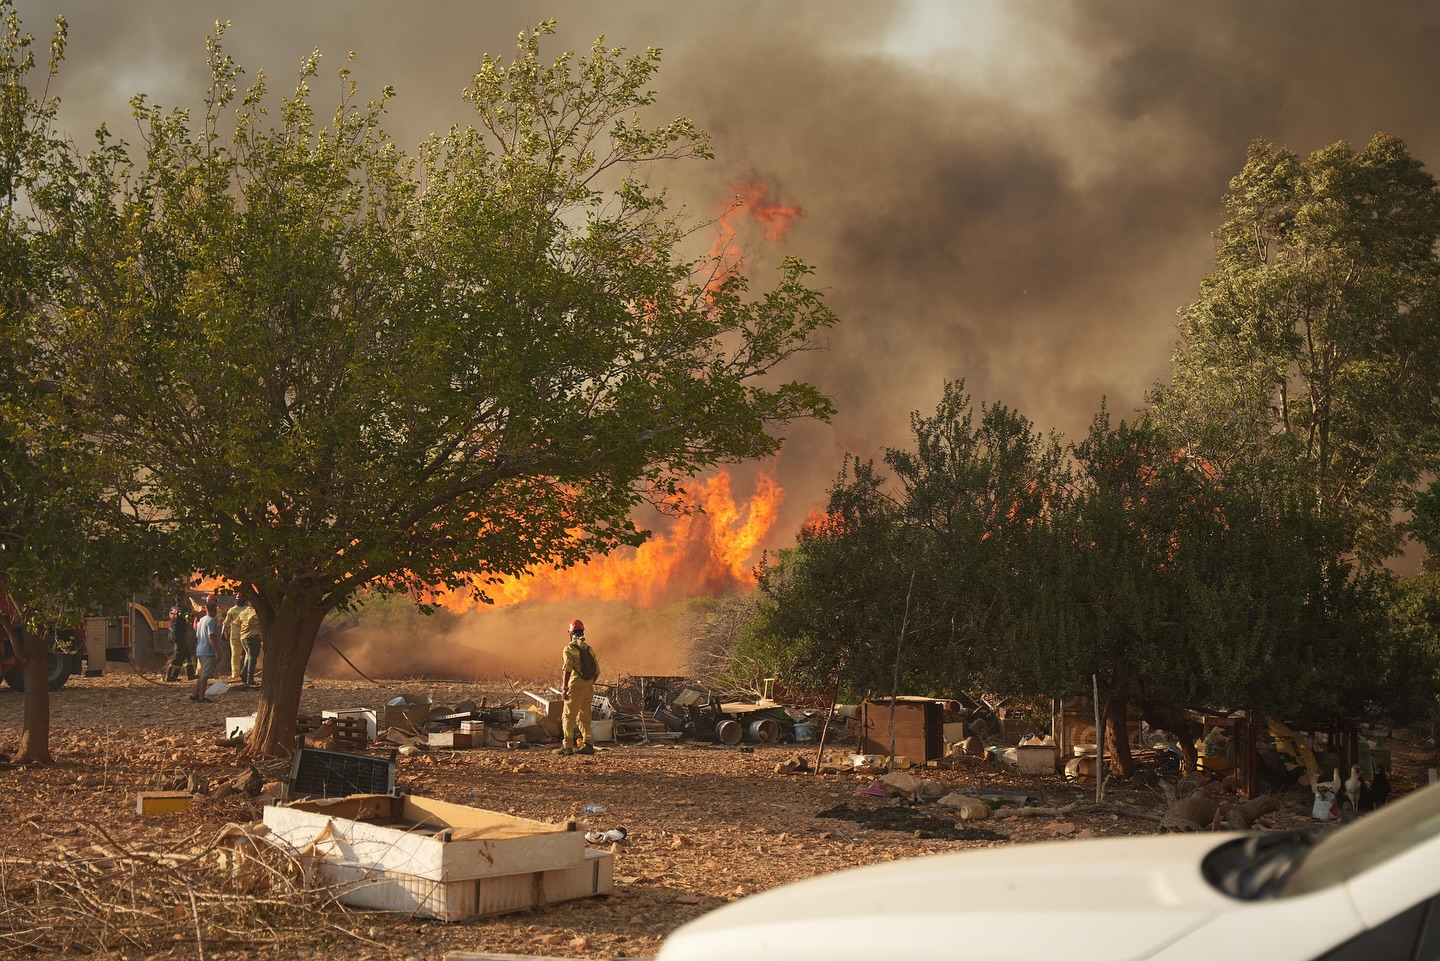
x=901, y=784
x=971, y=809
x=1059, y=828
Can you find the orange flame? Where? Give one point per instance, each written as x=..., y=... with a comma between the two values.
x=706, y=552
x=752, y=196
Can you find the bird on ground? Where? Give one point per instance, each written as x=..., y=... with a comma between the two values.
x=1352, y=787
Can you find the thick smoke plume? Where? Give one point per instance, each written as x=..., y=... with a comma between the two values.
x=1018, y=194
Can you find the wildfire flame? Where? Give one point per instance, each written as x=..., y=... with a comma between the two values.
x=751, y=198
x=705, y=552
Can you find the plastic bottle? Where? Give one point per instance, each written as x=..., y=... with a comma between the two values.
x=594, y=809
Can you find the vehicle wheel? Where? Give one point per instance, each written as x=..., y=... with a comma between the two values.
x=57, y=672
x=57, y=669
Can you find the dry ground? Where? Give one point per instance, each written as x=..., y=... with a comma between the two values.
x=81, y=874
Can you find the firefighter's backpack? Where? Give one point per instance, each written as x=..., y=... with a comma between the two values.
x=589, y=666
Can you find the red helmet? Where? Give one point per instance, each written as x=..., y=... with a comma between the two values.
x=577, y=626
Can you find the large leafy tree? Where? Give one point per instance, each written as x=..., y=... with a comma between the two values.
x=833, y=610
x=69, y=539
x=971, y=493
x=338, y=366
x=913, y=576
x=1313, y=353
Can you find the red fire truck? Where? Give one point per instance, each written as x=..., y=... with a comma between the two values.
x=86, y=647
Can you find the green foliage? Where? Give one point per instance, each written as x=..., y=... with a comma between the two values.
x=1310, y=358
x=913, y=587
x=1014, y=568
x=69, y=540
x=341, y=367
x=1411, y=654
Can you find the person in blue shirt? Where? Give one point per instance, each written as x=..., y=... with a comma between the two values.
x=207, y=637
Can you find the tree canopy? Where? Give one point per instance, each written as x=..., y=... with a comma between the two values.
x=69, y=537
x=1313, y=354
x=337, y=366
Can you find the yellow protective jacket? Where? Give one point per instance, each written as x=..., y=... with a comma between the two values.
x=571, y=659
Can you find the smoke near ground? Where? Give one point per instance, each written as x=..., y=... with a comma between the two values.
x=1020, y=194
x=522, y=642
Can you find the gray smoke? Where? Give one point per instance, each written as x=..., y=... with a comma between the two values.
x=1019, y=194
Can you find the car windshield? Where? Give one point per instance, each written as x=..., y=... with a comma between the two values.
x=1373, y=839
x=1287, y=863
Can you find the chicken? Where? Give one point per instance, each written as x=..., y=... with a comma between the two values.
x=1352, y=787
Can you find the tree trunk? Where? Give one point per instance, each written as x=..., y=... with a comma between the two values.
x=35, y=728
x=287, y=639
x=1118, y=734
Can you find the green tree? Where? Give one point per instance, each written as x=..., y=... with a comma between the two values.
x=1411, y=683
x=832, y=609
x=940, y=550
x=1312, y=354
x=68, y=537
x=338, y=366
x=971, y=494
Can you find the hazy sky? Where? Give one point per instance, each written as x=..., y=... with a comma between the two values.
x=1020, y=194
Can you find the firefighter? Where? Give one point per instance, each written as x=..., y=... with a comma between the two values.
x=182, y=652
x=231, y=629
x=578, y=671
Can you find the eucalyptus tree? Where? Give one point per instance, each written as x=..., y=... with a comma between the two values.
x=1312, y=355
x=340, y=366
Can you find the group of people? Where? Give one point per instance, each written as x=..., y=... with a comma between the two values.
x=202, y=643
x=198, y=646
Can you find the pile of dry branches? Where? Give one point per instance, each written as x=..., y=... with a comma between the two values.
x=78, y=890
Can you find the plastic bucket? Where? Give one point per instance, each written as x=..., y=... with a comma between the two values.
x=766, y=730
x=729, y=732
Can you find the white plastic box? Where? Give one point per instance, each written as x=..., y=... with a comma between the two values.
x=437, y=859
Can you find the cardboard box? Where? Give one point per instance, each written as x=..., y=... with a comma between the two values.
x=410, y=715
x=452, y=739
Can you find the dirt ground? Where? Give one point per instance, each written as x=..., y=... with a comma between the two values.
x=83, y=875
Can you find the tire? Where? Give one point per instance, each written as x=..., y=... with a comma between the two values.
x=57, y=672
x=15, y=677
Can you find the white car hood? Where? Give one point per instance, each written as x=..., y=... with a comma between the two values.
x=1108, y=899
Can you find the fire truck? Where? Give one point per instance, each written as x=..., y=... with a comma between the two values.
x=86, y=647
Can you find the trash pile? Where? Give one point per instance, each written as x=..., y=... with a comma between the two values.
x=640, y=709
